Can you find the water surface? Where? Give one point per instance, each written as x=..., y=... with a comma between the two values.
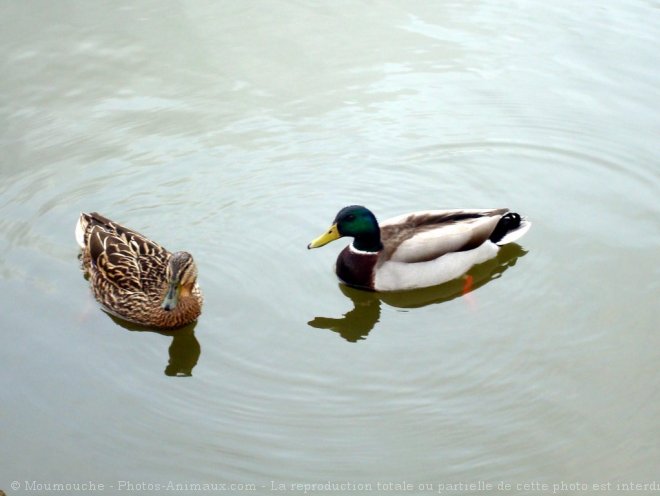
x=236, y=131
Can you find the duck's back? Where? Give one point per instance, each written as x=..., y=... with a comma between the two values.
x=427, y=235
x=121, y=257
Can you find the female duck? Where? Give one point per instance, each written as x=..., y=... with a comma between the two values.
x=419, y=249
x=135, y=278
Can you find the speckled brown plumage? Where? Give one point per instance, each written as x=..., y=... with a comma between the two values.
x=129, y=274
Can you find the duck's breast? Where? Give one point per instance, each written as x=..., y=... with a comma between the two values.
x=356, y=268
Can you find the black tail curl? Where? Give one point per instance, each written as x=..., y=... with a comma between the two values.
x=509, y=222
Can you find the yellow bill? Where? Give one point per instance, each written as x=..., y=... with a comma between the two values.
x=325, y=238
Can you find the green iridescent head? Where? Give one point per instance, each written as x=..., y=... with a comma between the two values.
x=357, y=222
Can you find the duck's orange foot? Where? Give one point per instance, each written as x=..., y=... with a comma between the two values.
x=468, y=284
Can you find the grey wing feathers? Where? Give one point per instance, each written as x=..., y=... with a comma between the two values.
x=423, y=236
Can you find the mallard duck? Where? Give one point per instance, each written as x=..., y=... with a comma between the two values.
x=419, y=249
x=135, y=278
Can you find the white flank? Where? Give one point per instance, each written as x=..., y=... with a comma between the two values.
x=80, y=231
x=443, y=239
x=397, y=276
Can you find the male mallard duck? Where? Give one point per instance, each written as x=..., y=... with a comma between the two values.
x=419, y=249
x=135, y=278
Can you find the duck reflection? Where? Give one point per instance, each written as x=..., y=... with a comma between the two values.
x=184, y=350
x=358, y=322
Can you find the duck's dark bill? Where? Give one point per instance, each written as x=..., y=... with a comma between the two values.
x=171, y=298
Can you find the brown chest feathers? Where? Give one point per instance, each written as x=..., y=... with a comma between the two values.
x=145, y=308
x=356, y=269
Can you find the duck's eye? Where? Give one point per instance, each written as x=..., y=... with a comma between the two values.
x=350, y=217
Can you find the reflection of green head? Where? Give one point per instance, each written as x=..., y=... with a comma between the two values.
x=355, y=221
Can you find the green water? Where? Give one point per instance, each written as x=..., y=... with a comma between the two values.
x=236, y=131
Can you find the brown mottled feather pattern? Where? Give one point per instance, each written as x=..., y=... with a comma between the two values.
x=128, y=275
